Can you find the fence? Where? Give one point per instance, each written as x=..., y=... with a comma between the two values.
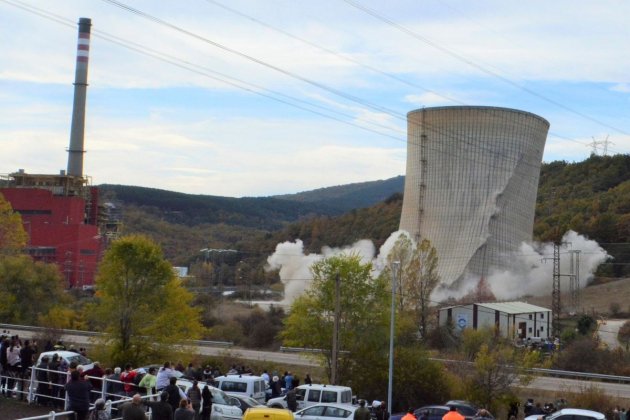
x=46, y=387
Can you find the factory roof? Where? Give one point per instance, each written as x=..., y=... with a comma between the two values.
x=509, y=307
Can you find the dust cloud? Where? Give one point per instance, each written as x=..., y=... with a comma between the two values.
x=529, y=275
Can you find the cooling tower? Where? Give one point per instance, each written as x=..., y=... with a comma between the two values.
x=471, y=184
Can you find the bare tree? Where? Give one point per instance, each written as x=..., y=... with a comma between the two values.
x=422, y=272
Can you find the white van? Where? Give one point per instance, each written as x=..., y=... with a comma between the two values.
x=308, y=395
x=223, y=408
x=249, y=385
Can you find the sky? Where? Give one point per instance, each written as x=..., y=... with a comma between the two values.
x=256, y=98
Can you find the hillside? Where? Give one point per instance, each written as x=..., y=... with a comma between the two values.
x=351, y=196
x=591, y=197
x=188, y=209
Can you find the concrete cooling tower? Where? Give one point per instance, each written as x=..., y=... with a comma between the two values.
x=471, y=184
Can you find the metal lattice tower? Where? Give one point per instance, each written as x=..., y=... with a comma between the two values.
x=574, y=280
x=555, y=292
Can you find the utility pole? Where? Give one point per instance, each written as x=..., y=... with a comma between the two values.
x=335, y=340
x=390, y=382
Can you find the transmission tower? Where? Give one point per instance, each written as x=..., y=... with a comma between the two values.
x=574, y=279
x=605, y=143
x=556, y=307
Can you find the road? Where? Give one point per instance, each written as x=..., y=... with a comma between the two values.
x=545, y=383
x=608, y=330
x=541, y=382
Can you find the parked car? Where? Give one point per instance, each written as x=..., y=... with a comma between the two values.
x=326, y=412
x=434, y=412
x=569, y=414
x=244, y=402
x=266, y=413
x=68, y=356
x=248, y=385
x=224, y=407
x=466, y=408
x=308, y=395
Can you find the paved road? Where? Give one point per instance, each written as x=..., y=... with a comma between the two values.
x=541, y=382
x=608, y=331
x=274, y=357
x=572, y=385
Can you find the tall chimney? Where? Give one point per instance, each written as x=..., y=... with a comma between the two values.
x=76, y=149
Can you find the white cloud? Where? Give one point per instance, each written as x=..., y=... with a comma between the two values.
x=146, y=116
x=621, y=87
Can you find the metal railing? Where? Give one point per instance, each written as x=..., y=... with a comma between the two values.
x=52, y=393
x=13, y=327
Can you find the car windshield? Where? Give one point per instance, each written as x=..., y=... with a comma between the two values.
x=218, y=396
x=250, y=401
x=78, y=359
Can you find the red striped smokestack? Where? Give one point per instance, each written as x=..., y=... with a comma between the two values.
x=76, y=149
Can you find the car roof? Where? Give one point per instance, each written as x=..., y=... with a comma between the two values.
x=460, y=402
x=245, y=378
x=61, y=353
x=349, y=407
x=321, y=386
x=578, y=412
x=446, y=407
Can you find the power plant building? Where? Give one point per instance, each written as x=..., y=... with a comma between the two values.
x=471, y=185
x=62, y=214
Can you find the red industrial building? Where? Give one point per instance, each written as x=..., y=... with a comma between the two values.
x=61, y=217
x=61, y=213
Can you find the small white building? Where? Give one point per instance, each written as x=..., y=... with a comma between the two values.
x=511, y=319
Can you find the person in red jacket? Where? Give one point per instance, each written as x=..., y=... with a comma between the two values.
x=127, y=377
x=453, y=414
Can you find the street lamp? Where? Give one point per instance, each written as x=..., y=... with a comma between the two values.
x=395, y=267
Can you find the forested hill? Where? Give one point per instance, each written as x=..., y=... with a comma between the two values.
x=591, y=197
x=350, y=196
x=269, y=213
x=256, y=212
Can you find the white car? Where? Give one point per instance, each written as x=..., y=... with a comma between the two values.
x=68, y=356
x=327, y=412
x=223, y=406
x=570, y=414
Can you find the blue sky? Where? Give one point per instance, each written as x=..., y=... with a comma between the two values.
x=155, y=124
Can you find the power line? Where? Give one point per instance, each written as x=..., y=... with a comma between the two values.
x=178, y=62
x=352, y=60
x=471, y=63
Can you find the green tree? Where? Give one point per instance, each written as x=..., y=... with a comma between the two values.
x=28, y=289
x=496, y=366
x=12, y=235
x=141, y=304
x=362, y=318
x=586, y=324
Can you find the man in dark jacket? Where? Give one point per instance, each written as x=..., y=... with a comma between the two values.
x=175, y=394
x=43, y=386
x=160, y=410
x=292, y=400
x=133, y=410
x=78, y=392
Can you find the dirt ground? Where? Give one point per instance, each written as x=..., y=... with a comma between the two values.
x=596, y=298
x=11, y=409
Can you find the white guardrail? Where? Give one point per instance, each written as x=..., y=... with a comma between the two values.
x=536, y=371
x=10, y=328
